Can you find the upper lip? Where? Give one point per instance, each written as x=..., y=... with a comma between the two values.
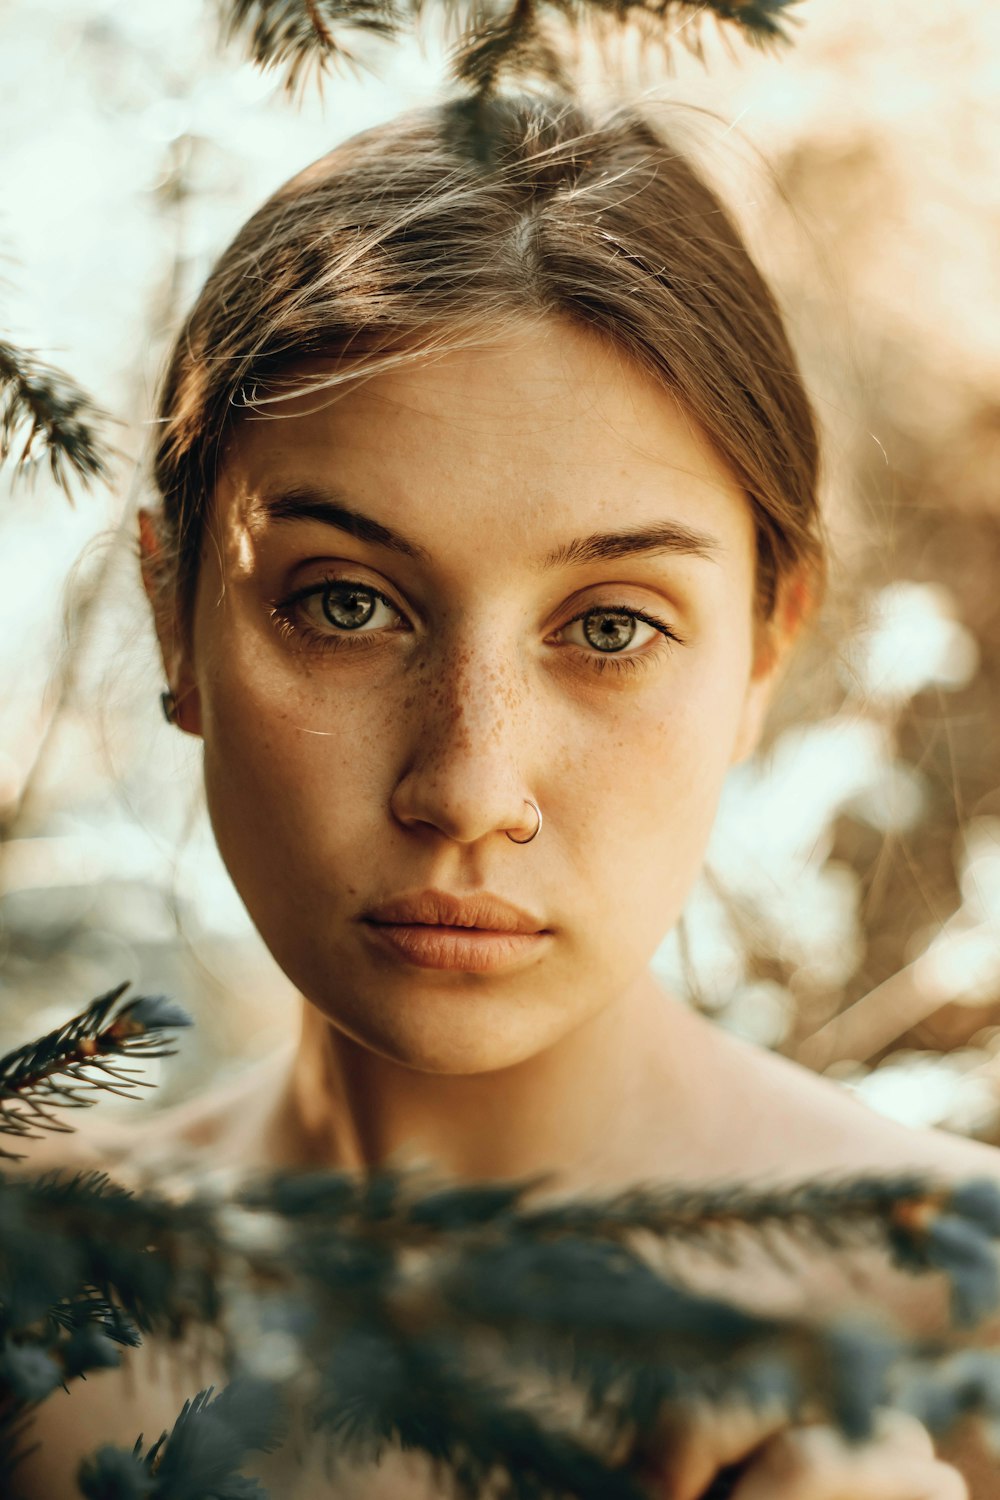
x=442, y=909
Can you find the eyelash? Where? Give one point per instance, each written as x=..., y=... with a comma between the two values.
x=285, y=616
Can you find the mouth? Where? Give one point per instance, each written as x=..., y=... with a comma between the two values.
x=440, y=930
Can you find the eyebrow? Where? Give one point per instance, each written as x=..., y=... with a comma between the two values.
x=311, y=503
x=661, y=536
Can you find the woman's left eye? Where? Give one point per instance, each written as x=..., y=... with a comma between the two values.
x=610, y=631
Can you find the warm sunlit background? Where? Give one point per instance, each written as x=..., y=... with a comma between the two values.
x=851, y=915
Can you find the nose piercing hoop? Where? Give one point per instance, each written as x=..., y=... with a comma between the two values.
x=537, y=828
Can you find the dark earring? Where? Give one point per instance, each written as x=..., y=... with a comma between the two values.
x=168, y=702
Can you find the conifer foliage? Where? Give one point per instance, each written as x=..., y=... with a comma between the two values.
x=63, y=1067
x=396, y=1309
x=46, y=417
x=498, y=41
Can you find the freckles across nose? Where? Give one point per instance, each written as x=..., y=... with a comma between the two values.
x=467, y=679
x=460, y=739
x=483, y=697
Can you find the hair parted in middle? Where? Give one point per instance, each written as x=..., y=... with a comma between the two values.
x=399, y=244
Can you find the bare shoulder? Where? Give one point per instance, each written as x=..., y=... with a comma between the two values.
x=783, y=1124
x=801, y=1122
x=778, y=1125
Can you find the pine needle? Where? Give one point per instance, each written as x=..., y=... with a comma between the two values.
x=388, y=1289
x=68, y=1068
x=496, y=45
x=56, y=420
x=299, y=35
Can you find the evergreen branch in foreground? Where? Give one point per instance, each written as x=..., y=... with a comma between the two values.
x=512, y=45
x=921, y=1224
x=199, y=1459
x=408, y=1311
x=67, y=1068
x=57, y=420
x=390, y=1301
x=515, y=45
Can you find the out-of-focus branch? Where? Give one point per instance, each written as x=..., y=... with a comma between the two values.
x=390, y=1290
x=387, y=1291
x=57, y=421
x=872, y=1023
x=899, y=1003
x=495, y=42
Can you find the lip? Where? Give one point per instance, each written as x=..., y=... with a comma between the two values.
x=438, y=930
x=432, y=908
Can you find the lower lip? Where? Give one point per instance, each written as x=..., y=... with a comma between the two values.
x=474, y=949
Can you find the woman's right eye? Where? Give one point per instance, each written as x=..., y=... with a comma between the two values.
x=337, y=612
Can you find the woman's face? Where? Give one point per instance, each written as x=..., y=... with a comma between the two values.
x=512, y=572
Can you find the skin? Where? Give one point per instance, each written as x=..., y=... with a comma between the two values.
x=337, y=778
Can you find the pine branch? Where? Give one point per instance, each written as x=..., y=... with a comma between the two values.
x=57, y=420
x=920, y=1224
x=67, y=1068
x=297, y=35
x=423, y=1393
x=407, y=1308
x=200, y=1457
x=761, y=23
x=80, y=1251
x=516, y=46
x=495, y=44
x=505, y=48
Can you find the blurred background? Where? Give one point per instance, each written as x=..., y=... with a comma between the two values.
x=850, y=912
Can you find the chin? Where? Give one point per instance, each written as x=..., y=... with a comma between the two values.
x=453, y=1034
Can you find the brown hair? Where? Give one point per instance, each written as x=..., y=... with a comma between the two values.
x=399, y=242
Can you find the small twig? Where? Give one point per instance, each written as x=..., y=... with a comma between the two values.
x=33, y=1079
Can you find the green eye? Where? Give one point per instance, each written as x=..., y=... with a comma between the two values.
x=347, y=606
x=340, y=607
x=610, y=630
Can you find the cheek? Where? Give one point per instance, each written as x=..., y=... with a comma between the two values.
x=648, y=801
x=289, y=779
x=669, y=752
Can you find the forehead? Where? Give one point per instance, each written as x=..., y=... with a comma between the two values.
x=542, y=432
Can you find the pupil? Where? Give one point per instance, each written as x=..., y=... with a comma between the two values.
x=348, y=608
x=609, y=632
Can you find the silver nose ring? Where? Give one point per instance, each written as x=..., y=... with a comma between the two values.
x=537, y=829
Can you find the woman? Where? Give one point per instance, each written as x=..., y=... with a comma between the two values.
x=487, y=524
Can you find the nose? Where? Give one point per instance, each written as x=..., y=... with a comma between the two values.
x=469, y=736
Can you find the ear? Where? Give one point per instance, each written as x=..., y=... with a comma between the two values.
x=773, y=642
x=171, y=632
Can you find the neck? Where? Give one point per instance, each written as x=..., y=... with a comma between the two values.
x=590, y=1111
